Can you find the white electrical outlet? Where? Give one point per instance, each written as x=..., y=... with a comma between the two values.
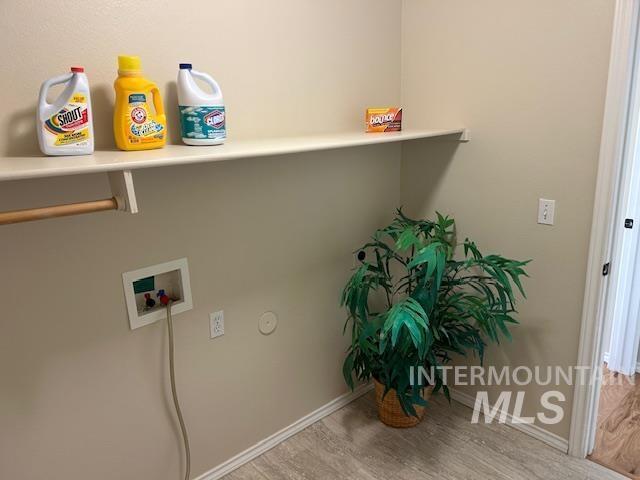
x=216, y=324
x=546, y=211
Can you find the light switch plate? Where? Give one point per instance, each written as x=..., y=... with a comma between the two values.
x=546, y=211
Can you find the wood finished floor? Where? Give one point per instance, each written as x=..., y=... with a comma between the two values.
x=352, y=444
x=618, y=433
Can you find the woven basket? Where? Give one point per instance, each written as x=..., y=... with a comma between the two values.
x=390, y=412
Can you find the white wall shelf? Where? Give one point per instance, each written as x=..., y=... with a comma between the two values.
x=118, y=165
x=18, y=168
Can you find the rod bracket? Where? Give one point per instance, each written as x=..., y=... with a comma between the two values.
x=123, y=190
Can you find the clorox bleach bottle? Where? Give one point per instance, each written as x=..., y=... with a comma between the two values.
x=65, y=127
x=202, y=114
x=136, y=126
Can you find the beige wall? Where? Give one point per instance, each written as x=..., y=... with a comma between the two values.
x=528, y=78
x=84, y=397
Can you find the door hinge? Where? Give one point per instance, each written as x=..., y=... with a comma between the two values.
x=605, y=269
x=628, y=223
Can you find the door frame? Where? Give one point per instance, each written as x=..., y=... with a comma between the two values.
x=616, y=118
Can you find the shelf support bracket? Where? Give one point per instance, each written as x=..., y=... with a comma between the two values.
x=465, y=136
x=123, y=190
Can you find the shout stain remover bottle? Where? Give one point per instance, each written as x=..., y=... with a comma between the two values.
x=137, y=126
x=65, y=127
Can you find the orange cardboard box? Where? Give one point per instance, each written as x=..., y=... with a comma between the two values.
x=384, y=119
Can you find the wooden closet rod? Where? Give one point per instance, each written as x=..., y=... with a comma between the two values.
x=31, y=214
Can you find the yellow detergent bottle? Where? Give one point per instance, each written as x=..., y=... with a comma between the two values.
x=136, y=126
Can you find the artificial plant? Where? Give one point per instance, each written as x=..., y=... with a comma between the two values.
x=412, y=303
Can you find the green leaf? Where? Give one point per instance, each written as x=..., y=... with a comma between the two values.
x=407, y=239
x=347, y=368
x=416, y=336
x=426, y=255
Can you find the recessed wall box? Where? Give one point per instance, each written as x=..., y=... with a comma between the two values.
x=144, y=284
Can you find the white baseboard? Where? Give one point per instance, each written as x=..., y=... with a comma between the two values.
x=279, y=437
x=605, y=359
x=532, y=430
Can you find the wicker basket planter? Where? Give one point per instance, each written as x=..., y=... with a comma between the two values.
x=390, y=412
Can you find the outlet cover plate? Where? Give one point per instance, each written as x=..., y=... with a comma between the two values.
x=216, y=324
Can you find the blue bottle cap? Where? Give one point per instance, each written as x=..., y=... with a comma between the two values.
x=185, y=66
